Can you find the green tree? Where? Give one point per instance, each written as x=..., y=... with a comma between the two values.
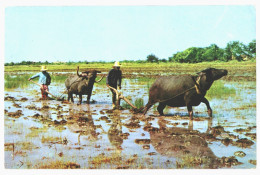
x=235, y=50
x=250, y=49
x=152, y=58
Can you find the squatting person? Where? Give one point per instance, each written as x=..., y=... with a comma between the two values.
x=44, y=81
x=114, y=79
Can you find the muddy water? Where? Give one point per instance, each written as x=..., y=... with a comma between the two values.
x=53, y=134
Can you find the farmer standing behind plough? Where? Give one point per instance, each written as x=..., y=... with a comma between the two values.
x=44, y=81
x=114, y=78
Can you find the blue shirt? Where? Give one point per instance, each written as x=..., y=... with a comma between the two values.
x=44, y=78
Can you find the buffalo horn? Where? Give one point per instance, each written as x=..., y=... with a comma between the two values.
x=80, y=75
x=100, y=79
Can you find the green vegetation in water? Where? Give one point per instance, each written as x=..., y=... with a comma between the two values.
x=12, y=82
x=21, y=81
x=58, y=78
x=218, y=90
x=139, y=102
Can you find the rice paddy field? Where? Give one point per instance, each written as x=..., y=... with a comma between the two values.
x=55, y=134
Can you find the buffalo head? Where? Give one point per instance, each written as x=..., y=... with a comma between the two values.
x=212, y=74
x=89, y=75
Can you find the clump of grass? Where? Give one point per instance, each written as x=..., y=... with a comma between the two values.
x=126, y=105
x=47, y=139
x=193, y=162
x=35, y=132
x=26, y=145
x=219, y=90
x=58, y=165
x=12, y=82
x=103, y=159
x=139, y=102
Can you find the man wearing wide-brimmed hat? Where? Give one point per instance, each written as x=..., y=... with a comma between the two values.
x=44, y=81
x=114, y=79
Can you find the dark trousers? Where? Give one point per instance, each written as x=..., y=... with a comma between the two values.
x=114, y=95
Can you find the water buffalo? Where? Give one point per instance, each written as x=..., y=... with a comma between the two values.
x=183, y=90
x=81, y=84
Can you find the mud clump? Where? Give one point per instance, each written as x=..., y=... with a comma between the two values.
x=142, y=141
x=243, y=143
x=133, y=125
x=152, y=153
x=9, y=98
x=32, y=107
x=37, y=116
x=229, y=161
x=252, y=162
x=146, y=147
x=226, y=141
x=240, y=154
x=232, y=136
x=17, y=105
x=152, y=129
x=124, y=136
x=241, y=130
x=251, y=135
x=23, y=99
x=185, y=123
x=105, y=118
x=16, y=114
x=45, y=107
x=217, y=130
x=62, y=122
x=209, y=137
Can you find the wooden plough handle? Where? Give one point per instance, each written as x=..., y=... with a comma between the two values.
x=41, y=86
x=120, y=96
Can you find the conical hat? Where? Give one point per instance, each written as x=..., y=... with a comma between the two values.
x=117, y=64
x=44, y=68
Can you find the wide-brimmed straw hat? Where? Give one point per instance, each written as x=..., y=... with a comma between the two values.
x=117, y=64
x=44, y=68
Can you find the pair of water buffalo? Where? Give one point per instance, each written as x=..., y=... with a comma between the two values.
x=174, y=91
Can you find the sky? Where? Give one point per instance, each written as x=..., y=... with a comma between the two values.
x=116, y=33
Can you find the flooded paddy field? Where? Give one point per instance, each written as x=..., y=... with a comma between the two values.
x=43, y=134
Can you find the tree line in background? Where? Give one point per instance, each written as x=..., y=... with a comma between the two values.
x=234, y=50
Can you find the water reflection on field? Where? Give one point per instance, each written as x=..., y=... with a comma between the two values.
x=53, y=134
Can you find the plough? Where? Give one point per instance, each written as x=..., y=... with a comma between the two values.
x=119, y=96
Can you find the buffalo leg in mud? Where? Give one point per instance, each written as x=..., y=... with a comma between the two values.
x=204, y=100
x=70, y=97
x=189, y=107
x=88, y=99
x=80, y=99
x=160, y=108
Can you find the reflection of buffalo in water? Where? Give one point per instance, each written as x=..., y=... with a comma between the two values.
x=85, y=127
x=82, y=124
x=185, y=144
